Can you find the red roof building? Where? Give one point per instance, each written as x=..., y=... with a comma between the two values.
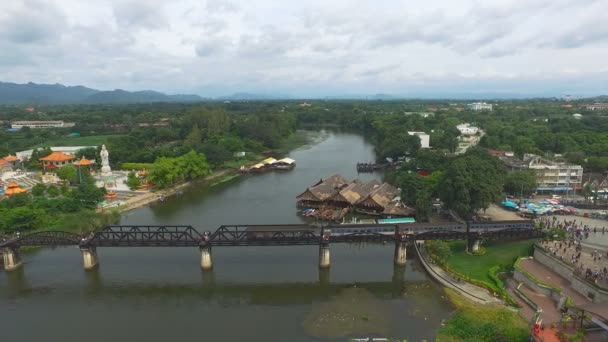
x=56, y=159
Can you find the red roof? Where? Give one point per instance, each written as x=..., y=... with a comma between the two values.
x=83, y=162
x=497, y=153
x=10, y=158
x=57, y=156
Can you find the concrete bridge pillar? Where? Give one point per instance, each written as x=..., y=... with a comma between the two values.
x=475, y=245
x=89, y=258
x=206, y=260
x=400, y=253
x=324, y=256
x=324, y=277
x=11, y=258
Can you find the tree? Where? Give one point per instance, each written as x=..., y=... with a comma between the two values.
x=217, y=154
x=193, y=165
x=52, y=191
x=471, y=182
x=194, y=139
x=88, y=152
x=33, y=162
x=411, y=184
x=424, y=202
x=38, y=190
x=133, y=181
x=520, y=183
x=68, y=173
x=399, y=145
x=587, y=192
x=22, y=218
x=88, y=195
x=164, y=172
x=440, y=249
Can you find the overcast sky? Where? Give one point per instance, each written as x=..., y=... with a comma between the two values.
x=309, y=47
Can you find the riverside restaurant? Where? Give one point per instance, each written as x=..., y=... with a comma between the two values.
x=268, y=164
x=334, y=197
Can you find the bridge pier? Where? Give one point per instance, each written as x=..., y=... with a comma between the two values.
x=89, y=258
x=400, y=253
x=11, y=258
x=324, y=277
x=324, y=256
x=206, y=260
x=475, y=245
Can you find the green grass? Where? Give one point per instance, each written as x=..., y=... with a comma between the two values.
x=92, y=140
x=474, y=322
x=503, y=254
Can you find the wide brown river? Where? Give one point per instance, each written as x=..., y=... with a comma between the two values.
x=253, y=293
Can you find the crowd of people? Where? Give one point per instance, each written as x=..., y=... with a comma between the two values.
x=592, y=265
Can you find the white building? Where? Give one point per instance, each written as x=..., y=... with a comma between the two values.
x=597, y=106
x=553, y=176
x=425, y=139
x=25, y=155
x=467, y=129
x=37, y=124
x=577, y=116
x=477, y=106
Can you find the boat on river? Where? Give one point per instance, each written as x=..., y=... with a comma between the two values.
x=285, y=164
x=269, y=164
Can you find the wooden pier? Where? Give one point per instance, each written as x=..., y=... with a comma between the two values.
x=371, y=167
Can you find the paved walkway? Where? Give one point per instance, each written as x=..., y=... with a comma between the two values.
x=526, y=311
x=586, y=261
x=544, y=274
x=473, y=292
x=550, y=312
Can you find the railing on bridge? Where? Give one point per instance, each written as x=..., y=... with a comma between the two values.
x=261, y=235
x=145, y=236
x=265, y=235
x=272, y=235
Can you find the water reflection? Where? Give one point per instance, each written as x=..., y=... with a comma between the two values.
x=255, y=293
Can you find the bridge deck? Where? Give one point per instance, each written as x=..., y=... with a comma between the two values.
x=273, y=235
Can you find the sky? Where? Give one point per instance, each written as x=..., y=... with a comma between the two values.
x=310, y=48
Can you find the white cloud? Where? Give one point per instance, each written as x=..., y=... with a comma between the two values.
x=315, y=46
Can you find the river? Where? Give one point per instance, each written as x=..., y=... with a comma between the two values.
x=253, y=293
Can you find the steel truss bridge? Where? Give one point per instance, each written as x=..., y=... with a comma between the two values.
x=272, y=235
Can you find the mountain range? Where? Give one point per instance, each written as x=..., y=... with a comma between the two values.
x=56, y=94
x=53, y=94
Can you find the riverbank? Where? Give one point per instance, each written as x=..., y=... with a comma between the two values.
x=474, y=322
x=155, y=196
x=296, y=140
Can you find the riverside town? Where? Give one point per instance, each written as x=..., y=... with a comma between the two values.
x=303, y=171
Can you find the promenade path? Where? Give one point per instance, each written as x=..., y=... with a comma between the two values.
x=473, y=292
x=544, y=274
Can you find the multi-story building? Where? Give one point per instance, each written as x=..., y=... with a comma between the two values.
x=425, y=139
x=478, y=106
x=554, y=176
x=467, y=129
x=550, y=175
x=597, y=106
x=37, y=124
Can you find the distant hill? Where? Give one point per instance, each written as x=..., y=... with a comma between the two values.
x=251, y=96
x=52, y=94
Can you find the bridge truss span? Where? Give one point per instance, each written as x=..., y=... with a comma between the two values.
x=145, y=236
x=265, y=235
x=49, y=238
